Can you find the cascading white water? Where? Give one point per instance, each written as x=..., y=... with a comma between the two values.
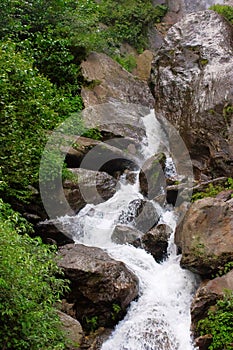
x=160, y=318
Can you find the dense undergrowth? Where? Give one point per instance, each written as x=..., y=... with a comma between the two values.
x=42, y=43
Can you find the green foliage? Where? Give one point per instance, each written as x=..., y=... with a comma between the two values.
x=225, y=269
x=129, y=21
x=213, y=190
x=116, y=310
x=91, y=323
x=219, y=323
x=128, y=62
x=93, y=133
x=224, y=10
x=28, y=288
x=29, y=105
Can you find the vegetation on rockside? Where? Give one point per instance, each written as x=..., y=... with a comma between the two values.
x=213, y=190
x=224, y=10
x=219, y=323
x=29, y=288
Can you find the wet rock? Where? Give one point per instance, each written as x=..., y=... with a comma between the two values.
x=207, y=295
x=119, y=118
x=73, y=330
x=88, y=187
x=98, y=283
x=205, y=235
x=110, y=81
x=141, y=214
x=156, y=241
x=152, y=178
x=123, y=234
x=193, y=85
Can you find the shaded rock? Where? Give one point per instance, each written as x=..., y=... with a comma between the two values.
x=73, y=331
x=97, y=283
x=111, y=81
x=52, y=233
x=141, y=214
x=123, y=234
x=193, y=85
x=152, y=179
x=207, y=295
x=91, y=187
x=203, y=342
x=74, y=156
x=205, y=235
x=94, y=340
x=156, y=241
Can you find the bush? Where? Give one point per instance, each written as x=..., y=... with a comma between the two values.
x=224, y=10
x=30, y=105
x=29, y=288
x=219, y=323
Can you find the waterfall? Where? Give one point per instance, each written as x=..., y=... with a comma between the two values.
x=160, y=318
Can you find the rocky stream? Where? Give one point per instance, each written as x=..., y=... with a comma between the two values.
x=139, y=254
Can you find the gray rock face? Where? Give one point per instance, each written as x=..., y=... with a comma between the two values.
x=97, y=283
x=141, y=214
x=123, y=234
x=91, y=187
x=205, y=235
x=111, y=81
x=179, y=8
x=193, y=85
x=152, y=178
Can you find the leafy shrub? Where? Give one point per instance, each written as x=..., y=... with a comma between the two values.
x=219, y=323
x=128, y=62
x=30, y=105
x=29, y=288
x=213, y=190
x=224, y=10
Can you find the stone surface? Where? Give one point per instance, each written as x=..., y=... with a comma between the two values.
x=123, y=234
x=152, y=178
x=120, y=118
x=207, y=295
x=141, y=214
x=143, y=68
x=205, y=235
x=97, y=283
x=156, y=241
x=110, y=81
x=91, y=187
x=193, y=86
x=73, y=330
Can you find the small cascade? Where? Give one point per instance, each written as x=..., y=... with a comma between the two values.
x=160, y=318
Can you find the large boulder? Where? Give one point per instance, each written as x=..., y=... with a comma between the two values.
x=192, y=76
x=88, y=186
x=205, y=235
x=110, y=81
x=206, y=297
x=101, y=288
